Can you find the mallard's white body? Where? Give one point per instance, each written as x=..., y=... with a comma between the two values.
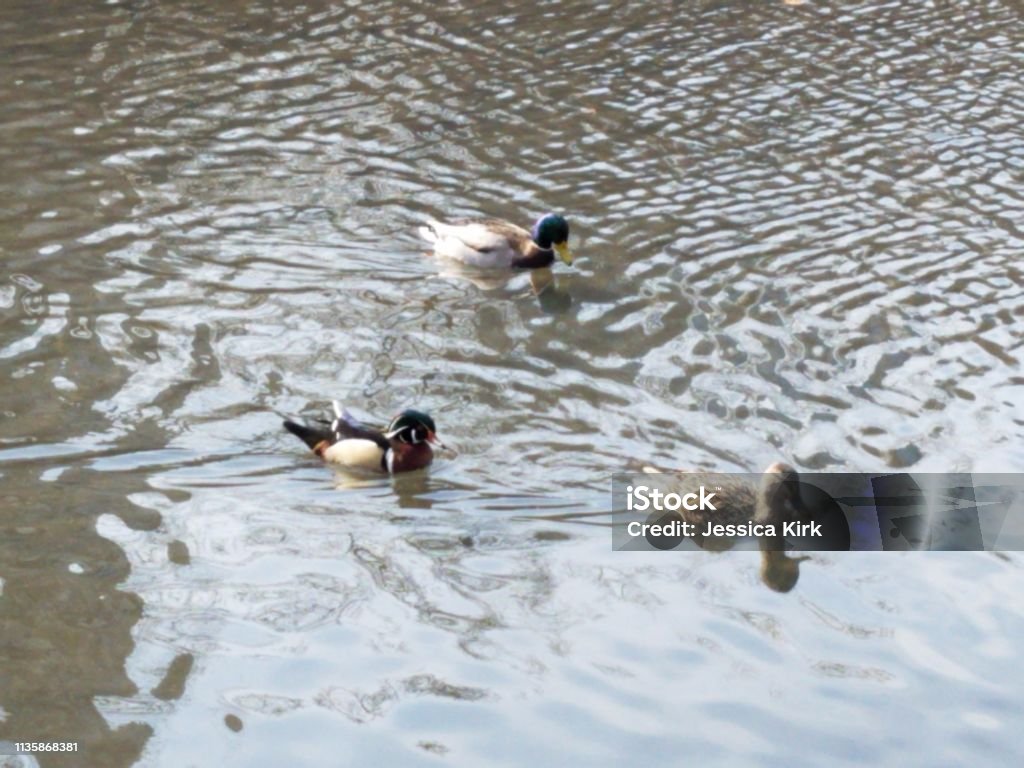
x=473, y=243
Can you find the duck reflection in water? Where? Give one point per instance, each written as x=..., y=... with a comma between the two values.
x=407, y=490
x=551, y=298
x=776, y=500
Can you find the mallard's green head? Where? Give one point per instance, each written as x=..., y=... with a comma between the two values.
x=412, y=426
x=552, y=231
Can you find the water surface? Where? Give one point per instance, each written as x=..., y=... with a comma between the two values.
x=799, y=240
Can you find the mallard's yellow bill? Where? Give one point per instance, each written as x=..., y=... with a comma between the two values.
x=562, y=249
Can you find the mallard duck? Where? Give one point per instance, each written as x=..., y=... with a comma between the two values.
x=775, y=500
x=403, y=446
x=495, y=243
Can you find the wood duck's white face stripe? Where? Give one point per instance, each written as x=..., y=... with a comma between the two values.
x=410, y=435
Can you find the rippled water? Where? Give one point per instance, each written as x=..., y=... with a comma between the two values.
x=800, y=238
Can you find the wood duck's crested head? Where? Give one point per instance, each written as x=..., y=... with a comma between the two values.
x=413, y=427
x=552, y=231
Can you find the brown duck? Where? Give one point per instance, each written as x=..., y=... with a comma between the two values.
x=776, y=500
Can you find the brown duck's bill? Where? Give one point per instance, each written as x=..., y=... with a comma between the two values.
x=433, y=439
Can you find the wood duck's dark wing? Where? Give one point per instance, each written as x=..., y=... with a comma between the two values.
x=311, y=436
x=347, y=428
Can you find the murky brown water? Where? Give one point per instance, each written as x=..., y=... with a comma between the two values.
x=800, y=235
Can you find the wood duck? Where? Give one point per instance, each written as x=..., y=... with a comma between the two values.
x=403, y=446
x=493, y=243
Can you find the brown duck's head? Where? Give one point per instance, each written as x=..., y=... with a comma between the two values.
x=779, y=571
x=779, y=498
